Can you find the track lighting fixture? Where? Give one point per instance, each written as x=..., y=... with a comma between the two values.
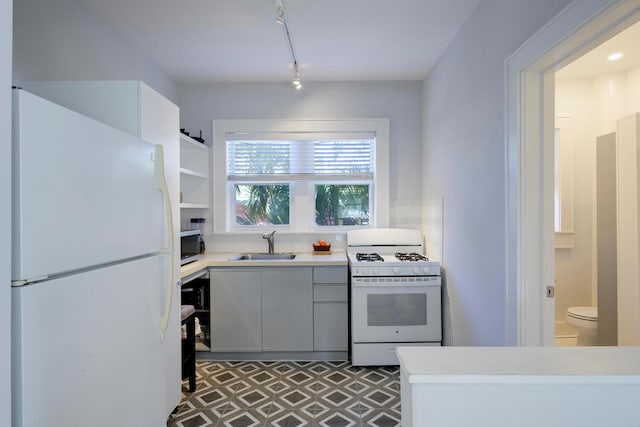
x=297, y=83
x=281, y=18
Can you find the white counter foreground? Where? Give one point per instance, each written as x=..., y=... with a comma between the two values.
x=523, y=386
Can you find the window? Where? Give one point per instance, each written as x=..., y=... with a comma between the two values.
x=299, y=175
x=564, y=138
x=342, y=204
x=261, y=204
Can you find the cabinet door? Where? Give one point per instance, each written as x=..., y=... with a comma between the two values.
x=236, y=323
x=330, y=326
x=287, y=309
x=330, y=309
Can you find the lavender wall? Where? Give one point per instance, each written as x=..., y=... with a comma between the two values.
x=400, y=102
x=464, y=161
x=61, y=40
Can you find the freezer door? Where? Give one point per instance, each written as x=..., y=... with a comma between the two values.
x=87, y=348
x=84, y=193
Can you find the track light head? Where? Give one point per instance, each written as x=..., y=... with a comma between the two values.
x=296, y=82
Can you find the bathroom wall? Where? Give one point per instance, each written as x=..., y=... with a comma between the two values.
x=595, y=105
x=574, y=275
x=609, y=101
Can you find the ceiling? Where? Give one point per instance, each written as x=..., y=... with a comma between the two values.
x=594, y=63
x=203, y=41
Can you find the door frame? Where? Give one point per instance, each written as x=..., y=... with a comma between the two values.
x=529, y=127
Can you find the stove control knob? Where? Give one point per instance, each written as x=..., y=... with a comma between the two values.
x=426, y=270
x=396, y=270
x=356, y=271
x=376, y=270
x=416, y=270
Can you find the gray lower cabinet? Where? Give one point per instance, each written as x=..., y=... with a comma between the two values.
x=287, y=309
x=279, y=309
x=330, y=309
x=268, y=309
x=236, y=311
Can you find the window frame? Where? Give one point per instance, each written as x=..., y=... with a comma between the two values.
x=223, y=221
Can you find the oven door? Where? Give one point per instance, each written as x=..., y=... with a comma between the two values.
x=395, y=309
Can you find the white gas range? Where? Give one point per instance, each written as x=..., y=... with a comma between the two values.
x=395, y=294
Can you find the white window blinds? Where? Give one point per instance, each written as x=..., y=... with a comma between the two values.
x=343, y=157
x=308, y=158
x=258, y=158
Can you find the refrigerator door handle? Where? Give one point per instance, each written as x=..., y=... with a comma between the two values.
x=164, y=189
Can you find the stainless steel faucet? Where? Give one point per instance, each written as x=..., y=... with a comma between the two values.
x=269, y=237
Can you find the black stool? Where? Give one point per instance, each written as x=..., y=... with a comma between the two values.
x=188, y=317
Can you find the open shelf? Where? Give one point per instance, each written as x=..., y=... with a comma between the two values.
x=194, y=206
x=194, y=174
x=196, y=144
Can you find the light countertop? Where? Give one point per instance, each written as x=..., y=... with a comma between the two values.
x=520, y=364
x=304, y=259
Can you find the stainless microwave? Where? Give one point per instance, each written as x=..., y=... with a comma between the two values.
x=191, y=245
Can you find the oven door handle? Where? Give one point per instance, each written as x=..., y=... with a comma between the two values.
x=391, y=284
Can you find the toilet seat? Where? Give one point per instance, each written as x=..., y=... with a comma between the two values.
x=585, y=321
x=589, y=314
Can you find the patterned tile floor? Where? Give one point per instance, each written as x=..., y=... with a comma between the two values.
x=291, y=394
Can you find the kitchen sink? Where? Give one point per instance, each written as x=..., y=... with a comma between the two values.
x=262, y=257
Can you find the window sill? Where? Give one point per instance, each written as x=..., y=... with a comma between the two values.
x=564, y=239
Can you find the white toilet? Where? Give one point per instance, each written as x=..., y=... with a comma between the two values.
x=585, y=321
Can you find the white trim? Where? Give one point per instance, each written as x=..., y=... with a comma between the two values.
x=219, y=157
x=582, y=25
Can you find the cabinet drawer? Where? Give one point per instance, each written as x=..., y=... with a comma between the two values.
x=323, y=292
x=330, y=274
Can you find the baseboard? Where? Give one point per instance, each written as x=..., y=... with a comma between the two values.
x=563, y=330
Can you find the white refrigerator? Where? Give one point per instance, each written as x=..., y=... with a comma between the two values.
x=92, y=272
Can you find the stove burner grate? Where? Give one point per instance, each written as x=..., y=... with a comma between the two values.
x=372, y=257
x=403, y=256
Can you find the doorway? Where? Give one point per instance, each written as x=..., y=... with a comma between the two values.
x=592, y=94
x=529, y=134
